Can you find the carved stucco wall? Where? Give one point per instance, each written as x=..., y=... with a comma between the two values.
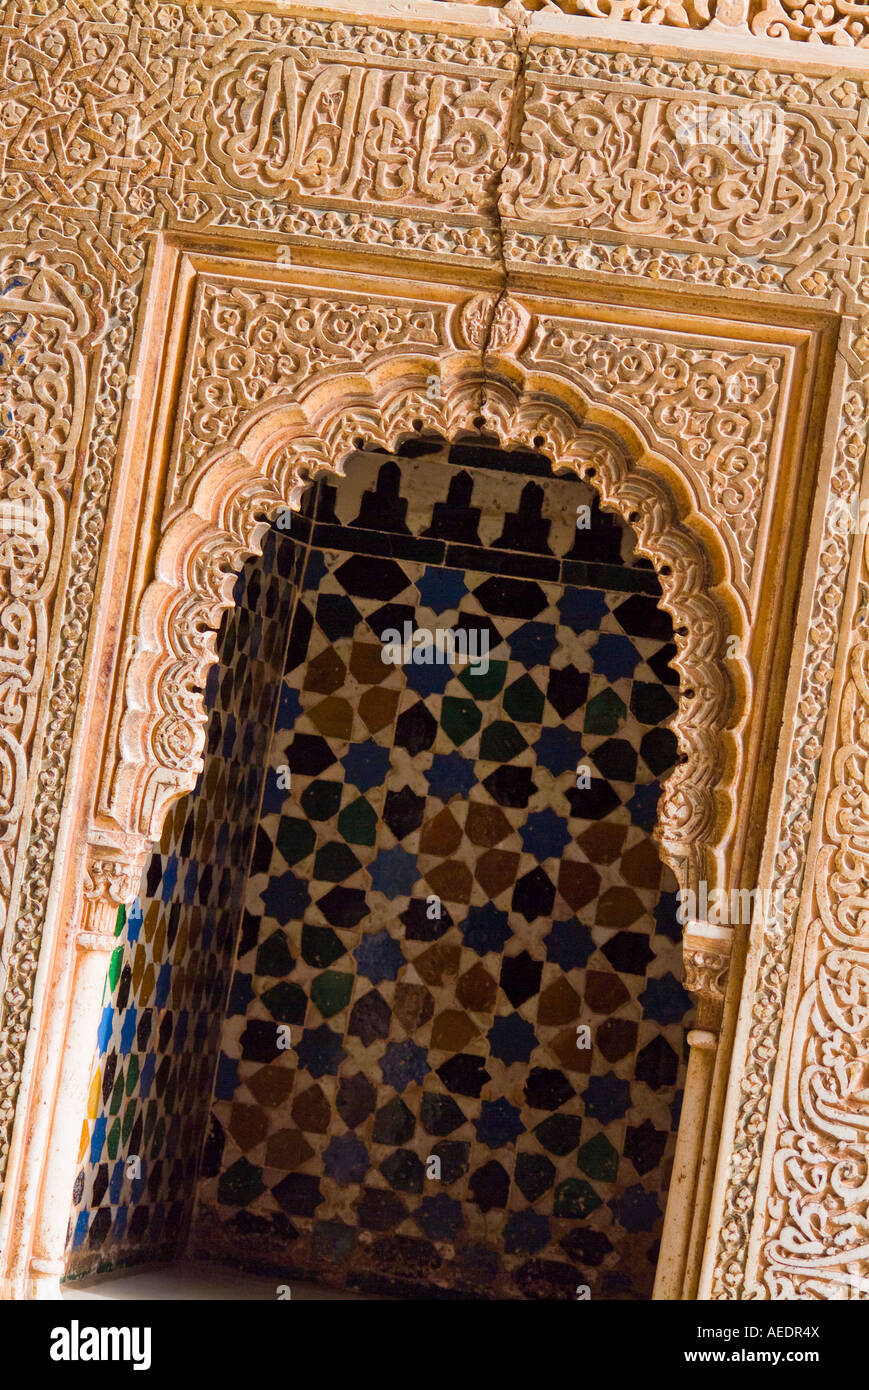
x=520, y=150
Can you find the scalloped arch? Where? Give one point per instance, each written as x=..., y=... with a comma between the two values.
x=225, y=508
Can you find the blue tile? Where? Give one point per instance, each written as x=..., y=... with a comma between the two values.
x=582, y=609
x=379, y=957
x=614, y=656
x=441, y=589
x=394, y=872
x=366, y=765
x=404, y=1063
x=450, y=775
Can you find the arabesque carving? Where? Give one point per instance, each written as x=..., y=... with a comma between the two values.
x=244, y=362
x=815, y=1243
x=43, y=327
x=282, y=124
x=839, y=23
x=262, y=432
x=777, y=940
x=716, y=409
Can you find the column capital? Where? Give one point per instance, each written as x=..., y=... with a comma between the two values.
x=113, y=869
x=706, y=951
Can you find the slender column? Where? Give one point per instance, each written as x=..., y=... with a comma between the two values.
x=111, y=881
x=706, y=953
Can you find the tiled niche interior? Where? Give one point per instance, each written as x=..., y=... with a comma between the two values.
x=428, y=907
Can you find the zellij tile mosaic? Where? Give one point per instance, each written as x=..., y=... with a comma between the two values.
x=452, y=1055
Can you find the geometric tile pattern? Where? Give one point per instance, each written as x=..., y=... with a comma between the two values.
x=438, y=907
x=169, y=974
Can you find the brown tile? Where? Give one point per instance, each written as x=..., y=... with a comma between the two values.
x=413, y=1006
x=451, y=880
x=604, y=992
x=452, y=1031
x=288, y=1150
x=377, y=708
x=440, y=835
x=326, y=673
x=438, y=962
x=486, y=825
x=366, y=664
x=578, y=883
x=332, y=717
x=559, y=1003
x=496, y=870
x=272, y=1085
x=563, y=1047
x=311, y=1110
x=476, y=990
x=602, y=842
x=618, y=907
x=247, y=1125
x=641, y=865
x=615, y=1038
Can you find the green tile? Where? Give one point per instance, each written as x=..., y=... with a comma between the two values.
x=130, y=1118
x=604, y=713
x=460, y=719
x=484, y=685
x=295, y=838
x=159, y=1137
x=286, y=1002
x=598, y=1159
x=115, y=967
x=320, y=800
x=358, y=822
x=321, y=946
x=120, y=920
x=113, y=1140
x=575, y=1197
x=117, y=1094
x=334, y=862
x=501, y=742
x=274, y=956
x=240, y=1184
x=132, y=1074
x=523, y=701
x=331, y=992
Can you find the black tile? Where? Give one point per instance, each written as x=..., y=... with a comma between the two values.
x=527, y=529
x=403, y=812
x=382, y=507
x=337, y=616
x=365, y=577
x=416, y=729
x=511, y=786
x=504, y=460
x=638, y=616
x=418, y=448
x=489, y=561
x=511, y=598
x=651, y=703
x=660, y=664
x=567, y=690
x=490, y=1186
x=618, y=578
x=359, y=542
x=520, y=977
x=628, y=952
x=455, y=519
